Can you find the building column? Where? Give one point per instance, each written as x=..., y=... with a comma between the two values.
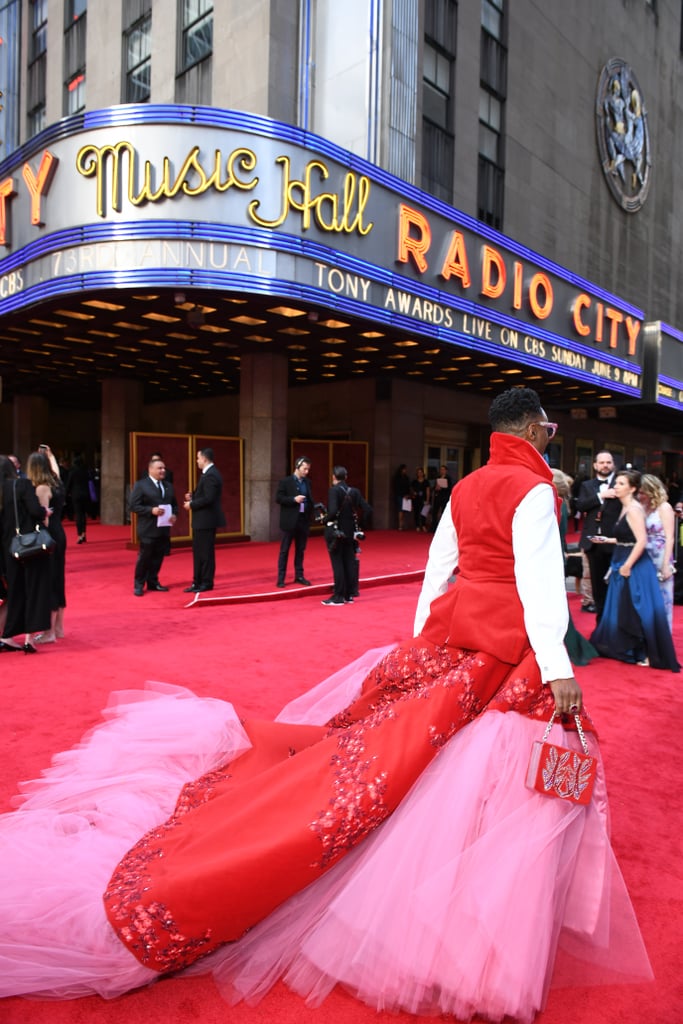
x=30, y=421
x=121, y=404
x=263, y=425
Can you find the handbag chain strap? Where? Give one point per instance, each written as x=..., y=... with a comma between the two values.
x=16, y=510
x=579, y=729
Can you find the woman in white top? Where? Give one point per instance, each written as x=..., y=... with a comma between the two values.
x=660, y=536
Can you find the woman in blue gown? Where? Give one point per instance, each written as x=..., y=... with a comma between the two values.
x=633, y=626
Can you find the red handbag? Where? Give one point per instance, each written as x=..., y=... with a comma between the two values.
x=561, y=771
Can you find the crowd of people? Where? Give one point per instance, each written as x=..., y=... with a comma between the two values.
x=628, y=618
x=422, y=500
x=33, y=590
x=317, y=846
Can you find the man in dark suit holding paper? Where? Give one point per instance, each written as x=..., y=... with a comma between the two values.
x=153, y=501
x=296, y=507
x=207, y=516
x=598, y=502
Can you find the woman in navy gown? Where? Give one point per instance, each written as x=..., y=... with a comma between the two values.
x=633, y=626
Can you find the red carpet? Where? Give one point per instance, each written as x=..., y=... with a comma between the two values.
x=266, y=647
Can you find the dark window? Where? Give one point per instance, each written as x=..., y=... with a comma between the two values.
x=138, y=57
x=75, y=94
x=36, y=120
x=197, y=39
x=35, y=80
x=38, y=28
x=438, y=76
x=492, y=17
x=492, y=92
x=74, y=9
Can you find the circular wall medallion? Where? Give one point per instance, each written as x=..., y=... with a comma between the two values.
x=623, y=135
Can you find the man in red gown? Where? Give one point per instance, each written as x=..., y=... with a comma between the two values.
x=249, y=835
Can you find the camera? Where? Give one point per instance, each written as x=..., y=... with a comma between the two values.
x=319, y=512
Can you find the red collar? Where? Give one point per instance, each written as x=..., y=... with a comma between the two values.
x=506, y=450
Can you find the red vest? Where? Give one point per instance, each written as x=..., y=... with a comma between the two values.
x=482, y=610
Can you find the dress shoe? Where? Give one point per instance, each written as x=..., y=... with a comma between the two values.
x=332, y=601
x=81, y=540
x=191, y=590
x=280, y=583
x=588, y=607
x=303, y=581
x=157, y=586
x=4, y=646
x=138, y=592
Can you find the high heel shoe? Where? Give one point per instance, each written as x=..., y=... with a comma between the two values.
x=81, y=539
x=29, y=648
x=43, y=638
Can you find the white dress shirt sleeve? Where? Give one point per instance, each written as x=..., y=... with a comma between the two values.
x=443, y=559
x=539, y=574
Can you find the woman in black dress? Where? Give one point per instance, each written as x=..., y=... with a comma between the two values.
x=28, y=581
x=43, y=472
x=421, y=492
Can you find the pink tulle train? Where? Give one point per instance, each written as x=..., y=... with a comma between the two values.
x=457, y=904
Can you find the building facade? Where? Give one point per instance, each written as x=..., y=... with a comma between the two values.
x=358, y=221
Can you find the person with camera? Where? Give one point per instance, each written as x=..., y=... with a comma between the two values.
x=344, y=506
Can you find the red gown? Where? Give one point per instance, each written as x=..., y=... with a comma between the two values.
x=378, y=835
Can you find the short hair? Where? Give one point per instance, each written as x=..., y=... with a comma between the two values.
x=302, y=460
x=207, y=453
x=632, y=475
x=653, y=489
x=339, y=472
x=154, y=458
x=513, y=409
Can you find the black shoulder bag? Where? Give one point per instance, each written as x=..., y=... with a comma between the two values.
x=28, y=545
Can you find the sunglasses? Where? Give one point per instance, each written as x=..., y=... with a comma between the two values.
x=550, y=427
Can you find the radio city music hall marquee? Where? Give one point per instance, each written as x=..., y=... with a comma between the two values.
x=243, y=201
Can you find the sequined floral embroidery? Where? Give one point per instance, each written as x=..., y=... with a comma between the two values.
x=199, y=791
x=357, y=805
x=146, y=927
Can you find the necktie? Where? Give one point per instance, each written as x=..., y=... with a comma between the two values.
x=161, y=487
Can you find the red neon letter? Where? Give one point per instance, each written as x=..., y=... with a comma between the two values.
x=517, y=286
x=616, y=317
x=581, y=302
x=541, y=281
x=6, y=192
x=633, y=328
x=408, y=245
x=39, y=184
x=492, y=258
x=455, y=264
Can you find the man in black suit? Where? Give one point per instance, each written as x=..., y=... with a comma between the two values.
x=294, y=497
x=678, y=552
x=151, y=497
x=601, y=508
x=207, y=516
